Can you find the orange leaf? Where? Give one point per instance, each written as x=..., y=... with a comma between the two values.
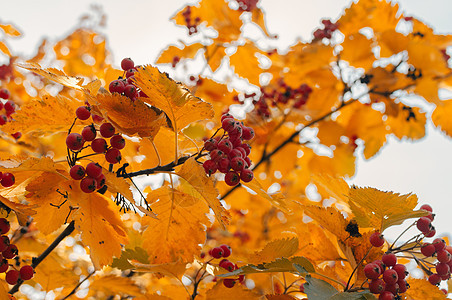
x=113, y=285
x=195, y=175
x=220, y=292
x=5, y=49
x=187, y=51
x=245, y=62
x=10, y=30
x=285, y=247
x=179, y=230
x=329, y=218
x=55, y=75
x=357, y=50
x=422, y=289
x=441, y=117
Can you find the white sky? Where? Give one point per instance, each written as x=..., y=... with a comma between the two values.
x=141, y=28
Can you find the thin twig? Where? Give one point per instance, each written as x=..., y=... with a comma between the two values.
x=78, y=285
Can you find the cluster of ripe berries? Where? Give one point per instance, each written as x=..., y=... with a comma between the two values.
x=224, y=251
x=327, y=31
x=91, y=177
x=229, y=154
x=247, y=5
x=424, y=224
x=9, y=108
x=125, y=85
x=10, y=251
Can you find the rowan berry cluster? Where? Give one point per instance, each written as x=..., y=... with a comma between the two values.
x=125, y=85
x=192, y=24
x=424, y=224
x=10, y=251
x=247, y=5
x=91, y=176
x=10, y=108
x=229, y=154
x=281, y=94
x=224, y=251
x=327, y=31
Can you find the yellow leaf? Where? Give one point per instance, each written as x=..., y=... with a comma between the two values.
x=330, y=186
x=214, y=55
x=427, y=87
x=277, y=200
x=329, y=218
x=409, y=123
x=179, y=230
x=357, y=50
x=245, y=62
x=195, y=175
x=129, y=117
x=280, y=297
x=441, y=117
x=51, y=274
x=152, y=297
x=220, y=292
x=422, y=289
x=10, y=29
x=55, y=75
x=181, y=107
x=377, y=209
x=330, y=132
x=285, y=247
x=174, y=269
x=427, y=58
x=98, y=219
x=113, y=285
x=46, y=116
x=4, y=48
x=187, y=51
x=392, y=42
x=258, y=17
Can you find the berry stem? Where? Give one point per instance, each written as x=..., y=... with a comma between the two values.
x=356, y=268
x=78, y=285
x=37, y=260
x=400, y=235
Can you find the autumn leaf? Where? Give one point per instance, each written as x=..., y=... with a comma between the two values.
x=357, y=50
x=187, y=51
x=278, y=200
x=220, y=292
x=329, y=218
x=55, y=75
x=422, y=289
x=180, y=227
x=330, y=186
x=275, y=249
x=4, y=48
x=245, y=62
x=136, y=254
x=441, y=117
x=195, y=175
x=113, y=285
x=409, y=123
x=10, y=30
x=181, y=107
x=377, y=209
x=128, y=117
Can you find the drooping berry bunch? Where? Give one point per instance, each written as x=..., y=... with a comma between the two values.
x=281, y=94
x=247, y=5
x=224, y=251
x=10, y=108
x=10, y=251
x=327, y=31
x=91, y=176
x=424, y=224
x=229, y=154
x=125, y=85
x=192, y=24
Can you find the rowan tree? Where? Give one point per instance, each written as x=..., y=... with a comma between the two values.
x=151, y=188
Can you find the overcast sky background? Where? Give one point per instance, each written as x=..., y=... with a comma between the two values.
x=140, y=29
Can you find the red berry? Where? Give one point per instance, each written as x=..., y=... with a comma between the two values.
x=434, y=279
x=234, y=153
x=216, y=155
x=10, y=252
x=74, y=141
x=4, y=265
x=237, y=164
x=129, y=74
x=9, y=107
x=246, y=175
x=4, y=226
x=225, y=146
x=3, y=120
x=443, y=256
x=100, y=181
x=389, y=259
x=88, y=185
x=228, y=265
x=224, y=165
x=232, y=178
x=242, y=151
x=12, y=276
x=17, y=135
x=226, y=116
x=210, y=167
x=116, y=86
x=248, y=162
x=211, y=144
x=131, y=91
x=83, y=113
x=439, y=244
x=229, y=283
x=216, y=252
x=113, y=156
x=4, y=243
x=372, y=271
x=403, y=287
x=107, y=130
x=118, y=142
x=26, y=273
x=380, y=264
x=377, y=239
x=431, y=233
x=77, y=172
x=228, y=124
x=226, y=250
x=93, y=170
x=424, y=224
x=99, y=145
x=247, y=133
x=4, y=94
x=444, y=291
x=236, y=141
x=442, y=269
x=393, y=288
x=401, y=270
x=377, y=286
x=7, y=180
x=97, y=119
x=386, y=295
x=89, y=133
x=427, y=207
x=127, y=63
x=247, y=149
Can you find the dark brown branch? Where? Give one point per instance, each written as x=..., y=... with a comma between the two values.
x=37, y=260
